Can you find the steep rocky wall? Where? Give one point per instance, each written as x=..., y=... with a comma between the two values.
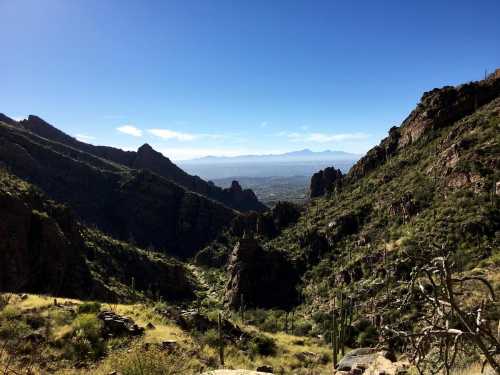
x=260, y=278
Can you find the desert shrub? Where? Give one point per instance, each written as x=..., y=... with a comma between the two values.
x=262, y=345
x=86, y=340
x=368, y=335
x=61, y=317
x=4, y=300
x=211, y=338
x=35, y=321
x=154, y=362
x=302, y=328
x=8, y=313
x=89, y=325
x=89, y=307
x=13, y=329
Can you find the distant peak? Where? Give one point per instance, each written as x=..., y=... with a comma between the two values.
x=35, y=118
x=145, y=148
x=235, y=186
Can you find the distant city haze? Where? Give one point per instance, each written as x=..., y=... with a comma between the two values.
x=296, y=163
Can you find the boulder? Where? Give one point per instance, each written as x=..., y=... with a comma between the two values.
x=266, y=369
x=116, y=325
x=363, y=358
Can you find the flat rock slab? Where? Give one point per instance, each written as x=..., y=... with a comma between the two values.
x=234, y=372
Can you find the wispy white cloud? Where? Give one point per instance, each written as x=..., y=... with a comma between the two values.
x=264, y=124
x=169, y=134
x=172, y=134
x=130, y=130
x=84, y=137
x=186, y=153
x=323, y=137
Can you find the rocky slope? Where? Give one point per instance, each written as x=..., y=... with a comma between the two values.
x=129, y=204
x=430, y=187
x=146, y=158
x=43, y=249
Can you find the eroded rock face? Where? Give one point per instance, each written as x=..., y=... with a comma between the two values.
x=438, y=108
x=260, y=278
x=43, y=249
x=38, y=252
x=268, y=224
x=325, y=180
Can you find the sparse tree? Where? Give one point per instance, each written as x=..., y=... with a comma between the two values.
x=450, y=327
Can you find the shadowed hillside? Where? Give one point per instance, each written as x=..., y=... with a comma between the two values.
x=147, y=158
x=133, y=205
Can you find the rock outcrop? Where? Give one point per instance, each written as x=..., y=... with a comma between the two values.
x=324, y=181
x=371, y=361
x=437, y=108
x=43, y=249
x=116, y=325
x=39, y=252
x=267, y=224
x=260, y=278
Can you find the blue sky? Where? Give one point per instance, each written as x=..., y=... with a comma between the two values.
x=194, y=78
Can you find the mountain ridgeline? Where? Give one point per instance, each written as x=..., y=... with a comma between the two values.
x=125, y=194
x=147, y=158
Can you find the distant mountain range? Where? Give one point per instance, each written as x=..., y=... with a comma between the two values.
x=305, y=155
x=296, y=163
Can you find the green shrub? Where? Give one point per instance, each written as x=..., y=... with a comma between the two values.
x=13, y=329
x=89, y=307
x=89, y=325
x=9, y=313
x=211, y=338
x=302, y=328
x=155, y=362
x=368, y=336
x=86, y=340
x=262, y=345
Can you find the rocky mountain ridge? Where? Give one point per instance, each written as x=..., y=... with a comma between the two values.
x=145, y=158
x=129, y=204
x=432, y=184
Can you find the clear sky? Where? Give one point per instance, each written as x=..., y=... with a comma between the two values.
x=234, y=77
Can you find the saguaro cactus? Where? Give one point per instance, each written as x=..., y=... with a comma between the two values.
x=221, y=340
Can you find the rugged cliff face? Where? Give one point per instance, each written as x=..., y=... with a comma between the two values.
x=437, y=109
x=43, y=249
x=325, y=180
x=260, y=278
x=147, y=158
x=40, y=247
x=128, y=204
